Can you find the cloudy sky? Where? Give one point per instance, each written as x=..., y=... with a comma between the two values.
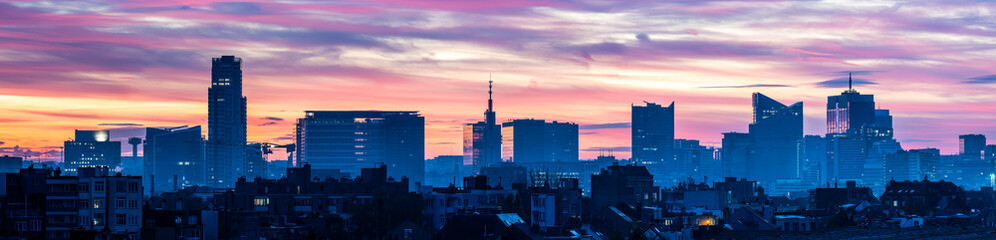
x=125, y=65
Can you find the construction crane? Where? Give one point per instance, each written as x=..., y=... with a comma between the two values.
x=266, y=148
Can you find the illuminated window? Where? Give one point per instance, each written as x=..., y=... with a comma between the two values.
x=261, y=201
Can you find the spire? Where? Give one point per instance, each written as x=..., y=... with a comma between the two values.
x=849, y=86
x=490, y=109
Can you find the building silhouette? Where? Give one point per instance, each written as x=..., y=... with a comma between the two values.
x=91, y=148
x=174, y=159
x=10, y=164
x=482, y=140
x=626, y=184
x=653, y=133
x=774, y=139
x=854, y=126
x=534, y=140
x=971, y=145
x=351, y=140
x=226, y=122
x=734, y=154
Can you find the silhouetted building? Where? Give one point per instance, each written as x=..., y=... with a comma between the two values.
x=989, y=153
x=971, y=145
x=653, y=133
x=775, y=135
x=734, y=154
x=853, y=127
x=351, y=140
x=694, y=160
x=10, y=164
x=827, y=200
x=812, y=157
x=482, y=140
x=505, y=175
x=255, y=163
x=627, y=184
x=226, y=123
x=41, y=204
x=173, y=154
x=476, y=196
x=531, y=140
x=444, y=170
x=91, y=149
x=923, y=197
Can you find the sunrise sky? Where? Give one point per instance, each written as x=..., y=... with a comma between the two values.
x=128, y=65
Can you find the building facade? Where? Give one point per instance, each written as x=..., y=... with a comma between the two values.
x=91, y=149
x=532, y=140
x=351, y=140
x=174, y=159
x=774, y=140
x=226, y=123
x=653, y=133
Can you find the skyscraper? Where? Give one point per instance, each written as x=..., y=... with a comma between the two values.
x=91, y=149
x=352, y=140
x=774, y=140
x=733, y=155
x=532, y=140
x=226, y=122
x=653, y=133
x=173, y=154
x=854, y=127
x=971, y=145
x=482, y=140
x=813, y=158
x=849, y=111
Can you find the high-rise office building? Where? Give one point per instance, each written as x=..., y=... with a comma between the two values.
x=971, y=145
x=482, y=140
x=653, y=133
x=733, y=155
x=226, y=122
x=532, y=140
x=774, y=140
x=91, y=149
x=849, y=111
x=352, y=140
x=854, y=126
x=174, y=159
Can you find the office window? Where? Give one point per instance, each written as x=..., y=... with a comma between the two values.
x=98, y=186
x=84, y=203
x=120, y=203
x=120, y=219
x=35, y=225
x=261, y=201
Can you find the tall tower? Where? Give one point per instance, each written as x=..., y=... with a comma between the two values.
x=653, y=133
x=774, y=139
x=226, y=122
x=482, y=140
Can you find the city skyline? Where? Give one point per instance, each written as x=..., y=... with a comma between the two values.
x=115, y=72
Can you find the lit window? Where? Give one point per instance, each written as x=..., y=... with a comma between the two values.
x=261, y=201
